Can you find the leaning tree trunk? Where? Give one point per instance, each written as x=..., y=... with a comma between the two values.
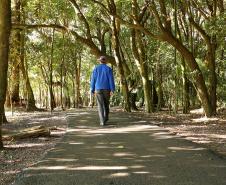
x=197, y=74
x=139, y=55
x=116, y=49
x=211, y=44
x=5, y=27
x=138, y=48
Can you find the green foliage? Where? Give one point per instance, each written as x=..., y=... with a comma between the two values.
x=67, y=51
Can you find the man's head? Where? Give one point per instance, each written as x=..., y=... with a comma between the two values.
x=102, y=59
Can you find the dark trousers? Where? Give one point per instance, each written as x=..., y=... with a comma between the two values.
x=103, y=97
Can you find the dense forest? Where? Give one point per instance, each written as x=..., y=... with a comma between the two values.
x=164, y=53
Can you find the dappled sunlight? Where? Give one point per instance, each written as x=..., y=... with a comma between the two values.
x=141, y=172
x=139, y=160
x=123, y=154
x=83, y=121
x=160, y=133
x=116, y=143
x=137, y=166
x=88, y=135
x=199, y=139
x=49, y=118
x=87, y=168
x=10, y=172
x=85, y=113
x=218, y=136
x=118, y=175
x=9, y=113
x=163, y=135
x=197, y=111
x=77, y=143
x=78, y=113
x=33, y=122
x=63, y=159
x=25, y=145
x=142, y=121
x=204, y=119
x=150, y=156
x=113, y=130
x=187, y=148
x=79, y=129
x=128, y=129
x=104, y=147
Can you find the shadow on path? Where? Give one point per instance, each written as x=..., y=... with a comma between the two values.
x=128, y=151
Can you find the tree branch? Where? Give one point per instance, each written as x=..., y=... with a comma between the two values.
x=82, y=18
x=157, y=17
x=102, y=5
x=203, y=12
x=201, y=31
x=165, y=17
x=88, y=42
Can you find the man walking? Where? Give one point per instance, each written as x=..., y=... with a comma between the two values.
x=103, y=86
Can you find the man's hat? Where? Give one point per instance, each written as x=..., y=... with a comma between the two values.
x=102, y=58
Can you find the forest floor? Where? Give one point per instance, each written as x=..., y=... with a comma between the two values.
x=210, y=132
x=17, y=155
x=23, y=153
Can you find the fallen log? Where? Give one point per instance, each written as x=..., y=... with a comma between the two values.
x=28, y=133
x=32, y=128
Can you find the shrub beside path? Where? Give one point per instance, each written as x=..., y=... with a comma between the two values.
x=128, y=151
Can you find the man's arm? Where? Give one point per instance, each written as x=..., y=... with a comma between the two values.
x=93, y=81
x=111, y=81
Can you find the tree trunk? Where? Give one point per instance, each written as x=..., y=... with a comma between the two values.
x=24, y=69
x=8, y=100
x=197, y=74
x=159, y=83
x=139, y=55
x=15, y=82
x=212, y=76
x=5, y=27
x=15, y=56
x=29, y=92
x=77, y=81
x=52, y=98
x=138, y=48
x=67, y=102
x=62, y=74
x=185, y=89
x=118, y=59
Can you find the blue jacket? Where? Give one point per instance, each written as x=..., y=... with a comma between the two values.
x=102, y=78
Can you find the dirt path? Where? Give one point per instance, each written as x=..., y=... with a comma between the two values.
x=129, y=151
